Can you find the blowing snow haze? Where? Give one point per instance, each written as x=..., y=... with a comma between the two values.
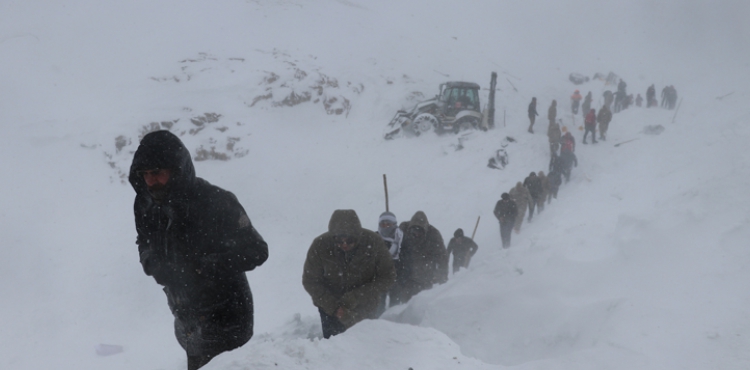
x=641, y=262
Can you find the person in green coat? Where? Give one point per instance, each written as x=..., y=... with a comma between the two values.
x=347, y=271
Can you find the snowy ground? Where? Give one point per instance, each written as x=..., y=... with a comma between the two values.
x=642, y=262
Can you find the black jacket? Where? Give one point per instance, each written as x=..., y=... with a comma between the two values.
x=197, y=242
x=506, y=211
x=532, y=109
x=534, y=184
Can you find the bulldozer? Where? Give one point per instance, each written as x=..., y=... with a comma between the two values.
x=456, y=107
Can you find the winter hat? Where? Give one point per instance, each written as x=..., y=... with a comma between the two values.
x=459, y=233
x=387, y=216
x=505, y=196
x=390, y=231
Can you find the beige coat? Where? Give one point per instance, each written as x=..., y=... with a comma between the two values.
x=355, y=280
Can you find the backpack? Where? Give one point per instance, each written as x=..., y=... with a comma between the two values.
x=567, y=145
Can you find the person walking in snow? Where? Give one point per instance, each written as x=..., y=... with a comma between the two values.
x=651, y=97
x=534, y=184
x=552, y=112
x=604, y=118
x=554, y=134
x=532, y=114
x=520, y=195
x=506, y=212
x=568, y=143
x=463, y=248
x=346, y=273
x=586, y=104
x=392, y=237
x=638, y=101
x=197, y=241
x=424, y=259
x=590, y=126
x=575, y=101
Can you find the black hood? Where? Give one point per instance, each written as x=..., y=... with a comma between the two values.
x=162, y=149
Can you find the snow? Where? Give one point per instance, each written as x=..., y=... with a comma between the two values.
x=641, y=262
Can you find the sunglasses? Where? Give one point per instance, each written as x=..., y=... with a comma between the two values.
x=386, y=224
x=344, y=239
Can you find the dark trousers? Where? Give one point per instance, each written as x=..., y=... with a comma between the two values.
x=197, y=362
x=552, y=193
x=531, y=207
x=331, y=325
x=505, y=231
x=592, y=130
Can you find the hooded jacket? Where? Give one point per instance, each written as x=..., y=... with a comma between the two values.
x=197, y=242
x=425, y=259
x=552, y=111
x=355, y=280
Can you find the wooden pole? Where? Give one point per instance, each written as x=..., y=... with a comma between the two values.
x=675, y=111
x=475, y=228
x=385, y=186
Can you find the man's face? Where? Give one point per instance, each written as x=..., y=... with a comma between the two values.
x=156, y=181
x=345, y=242
x=417, y=232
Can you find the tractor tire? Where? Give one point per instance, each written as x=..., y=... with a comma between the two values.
x=424, y=123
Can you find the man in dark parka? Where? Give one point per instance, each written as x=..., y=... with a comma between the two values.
x=424, y=259
x=532, y=114
x=534, y=184
x=463, y=248
x=347, y=272
x=196, y=240
x=506, y=212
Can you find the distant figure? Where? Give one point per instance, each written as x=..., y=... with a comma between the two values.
x=424, y=259
x=586, y=104
x=651, y=97
x=520, y=195
x=554, y=134
x=532, y=114
x=534, y=184
x=575, y=101
x=346, y=273
x=639, y=101
x=568, y=143
x=552, y=112
x=604, y=118
x=462, y=248
x=672, y=97
x=506, y=212
x=664, y=96
x=621, y=95
x=590, y=126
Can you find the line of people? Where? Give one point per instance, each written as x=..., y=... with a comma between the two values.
x=197, y=241
x=536, y=190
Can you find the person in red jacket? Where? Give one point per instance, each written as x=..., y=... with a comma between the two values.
x=590, y=125
x=575, y=101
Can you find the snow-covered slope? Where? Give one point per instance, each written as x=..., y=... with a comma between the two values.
x=641, y=262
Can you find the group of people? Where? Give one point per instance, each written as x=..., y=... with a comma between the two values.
x=537, y=188
x=196, y=240
x=352, y=273
x=668, y=97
